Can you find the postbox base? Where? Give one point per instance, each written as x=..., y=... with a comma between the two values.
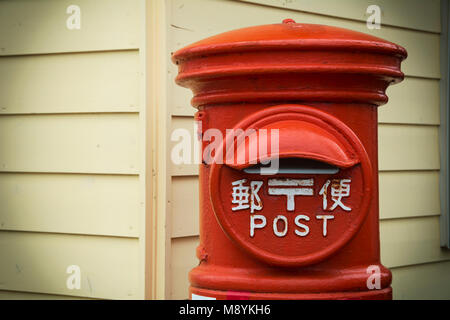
x=206, y=294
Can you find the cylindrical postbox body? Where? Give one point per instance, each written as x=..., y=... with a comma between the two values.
x=289, y=173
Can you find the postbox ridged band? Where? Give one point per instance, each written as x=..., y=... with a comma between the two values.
x=220, y=79
x=267, y=69
x=381, y=294
x=326, y=96
x=256, y=281
x=206, y=90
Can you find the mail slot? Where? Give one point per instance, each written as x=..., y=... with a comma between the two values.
x=289, y=196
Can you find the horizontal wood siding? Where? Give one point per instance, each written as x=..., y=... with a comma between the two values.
x=76, y=143
x=419, y=17
x=71, y=137
x=107, y=205
x=429, y=281
x=36, y=27
x=70, y=83
x=19, y=295
x=183, y=260
x=37, y=262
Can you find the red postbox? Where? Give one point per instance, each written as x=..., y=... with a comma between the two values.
x=289, y=196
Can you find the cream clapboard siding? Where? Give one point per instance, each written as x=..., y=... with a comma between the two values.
x=408, y=131
x=71, y=155
x=15, y=295
x=108, y=89
x=37, y=27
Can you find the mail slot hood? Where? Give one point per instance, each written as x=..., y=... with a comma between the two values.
x=295, y=139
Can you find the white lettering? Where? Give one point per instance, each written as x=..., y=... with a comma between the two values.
x=254, y=225
x=325, y=219
x=275, y=226
x=255, y=200
x=290, y=193
x=301, y=225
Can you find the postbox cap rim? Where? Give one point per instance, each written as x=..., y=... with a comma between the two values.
x=289, y=36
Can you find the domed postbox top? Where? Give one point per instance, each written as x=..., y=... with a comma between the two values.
x=290, y=62
x=289, y=35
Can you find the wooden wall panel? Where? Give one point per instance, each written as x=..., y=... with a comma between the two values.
x=17, y=295
x=422, y=15
x=413, y=101
x=411, y=241
x=430, y=281
x=409, y=194
x=71, y=144
x=65, y=83
x=406, y=147
x=185, y=206
x=70, y=203
x=36, y=262
x=33, y=27
x=183, y=260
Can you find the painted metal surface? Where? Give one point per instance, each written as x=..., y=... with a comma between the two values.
x=308, y=233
